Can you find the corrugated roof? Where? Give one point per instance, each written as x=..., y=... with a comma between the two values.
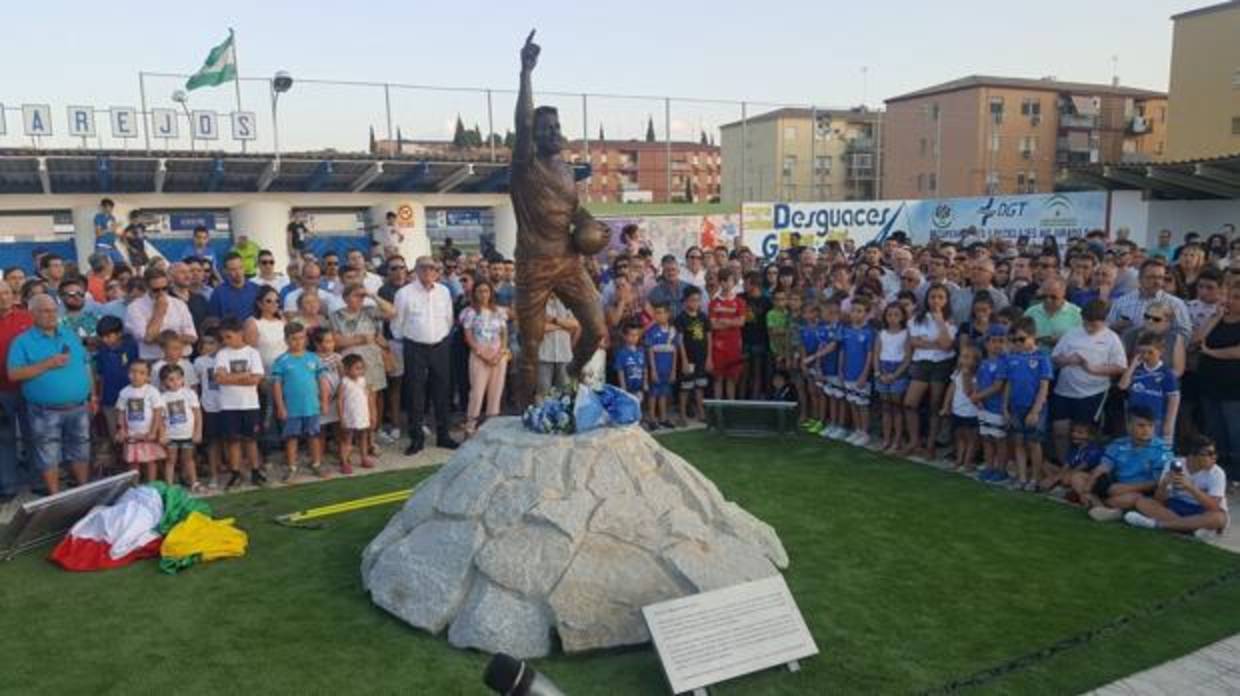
x=1222, y=6
x=1044, y=85
x=802, y=112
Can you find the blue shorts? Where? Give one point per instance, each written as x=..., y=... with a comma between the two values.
x=1183, y=508
x=300, y=426
x=240, y=425
x=59, y=436
x=1018, y=429
x=887, y=367
x=212, y=426
x=660, y=389
x=634, y=388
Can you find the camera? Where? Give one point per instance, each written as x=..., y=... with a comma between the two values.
x=1177, y=467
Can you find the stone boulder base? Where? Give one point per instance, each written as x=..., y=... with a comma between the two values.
x=521, y=535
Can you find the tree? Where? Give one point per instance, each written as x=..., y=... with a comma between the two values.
x=650, y=137
x=460, y=137
x=372, y=140
x=475, y=137
x=509, y=139
x=688, y=190
x=704, y=141
x=600, y=132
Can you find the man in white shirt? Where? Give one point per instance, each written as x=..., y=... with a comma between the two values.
x=423, y=321
x=311, y=275
x=267, y=273
x=1129, y=310
x=357, y=261
x=694, y=273
x=155, y=312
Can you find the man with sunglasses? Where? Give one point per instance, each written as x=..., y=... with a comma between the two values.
x=694, y=272
x=76, y=317
x=267, y=273
x=156, y=311
x=1191, y=495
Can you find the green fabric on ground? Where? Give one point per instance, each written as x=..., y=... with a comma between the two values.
x=178, y=503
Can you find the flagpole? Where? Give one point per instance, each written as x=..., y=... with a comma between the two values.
x=232, y=36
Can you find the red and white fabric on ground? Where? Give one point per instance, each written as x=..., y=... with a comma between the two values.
x=115, y=535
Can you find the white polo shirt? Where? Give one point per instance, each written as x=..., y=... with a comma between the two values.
x=1102, y=348
x=422, y=315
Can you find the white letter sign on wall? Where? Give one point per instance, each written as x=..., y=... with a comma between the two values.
x=81, y=121
x=164, y=123
x=2, y=131
x=243, y=125
x=37, y=119
x=204, y=125
x=124, y=122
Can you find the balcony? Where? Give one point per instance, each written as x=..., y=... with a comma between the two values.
x=860, y=144
x=1077, y=121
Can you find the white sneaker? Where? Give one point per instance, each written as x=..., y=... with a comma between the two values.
x=838, y=432
x=861, y=439
x=1207, y=534
x=827, y=433
x=394, y=433
x=384, y=438
x=1136, y=519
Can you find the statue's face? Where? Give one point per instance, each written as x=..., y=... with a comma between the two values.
x=547, y=134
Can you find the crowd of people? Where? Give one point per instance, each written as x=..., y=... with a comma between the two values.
x=1069, y=370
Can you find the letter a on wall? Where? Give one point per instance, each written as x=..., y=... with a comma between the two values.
x=37, y=119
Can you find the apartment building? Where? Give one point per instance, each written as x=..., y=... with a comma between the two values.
x=1205, y=83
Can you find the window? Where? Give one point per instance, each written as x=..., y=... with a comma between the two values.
x=921, y=182
x=863, y=160
x=1235, y=125
x=1020, y=182
x=1235, y=78
x=822, y=164
x=994, y=142
x=923, y=147
x=992, y=183
x=996, y=109
x=790, y=163
x=933, y=183
x=790, y=132
x=1028, y=146
x=934, y=111
x=1031, y=183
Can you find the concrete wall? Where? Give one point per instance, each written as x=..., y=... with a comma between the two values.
x=263, y=216
x=1204, y=97
x=1145, y=218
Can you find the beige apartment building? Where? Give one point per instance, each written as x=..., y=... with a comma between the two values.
x=1205, y=83
x=983, y=135
x=796, y=154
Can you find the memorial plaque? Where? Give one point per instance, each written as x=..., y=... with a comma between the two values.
x=714, y=636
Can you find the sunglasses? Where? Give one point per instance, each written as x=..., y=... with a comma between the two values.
x=269, y=300
x=77, y=294
x=395, y=268
x=159, y=289
x=267, y=262
x=695, y=256
x=1017, y=338
x=1154, y=318
x=1211, y=452
x=331, y=263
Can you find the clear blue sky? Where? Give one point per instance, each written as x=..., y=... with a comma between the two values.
x=799, y=51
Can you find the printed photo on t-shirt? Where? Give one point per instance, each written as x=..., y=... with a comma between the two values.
x=176, y=412
x=135, y=410
x=238, y=366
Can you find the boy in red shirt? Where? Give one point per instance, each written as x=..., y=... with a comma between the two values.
x=727, y=316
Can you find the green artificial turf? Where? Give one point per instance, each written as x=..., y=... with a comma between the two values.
x=910, y=579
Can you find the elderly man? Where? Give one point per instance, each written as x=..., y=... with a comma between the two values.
x=893, y=278
x=14, y=321
x=1054, y=316
x=423, y=321
x=236, y=295
x=1129, y=309
x=311, y=281
x=155, y=312
x=981, y=276
x=670, y=290
x=52, y=367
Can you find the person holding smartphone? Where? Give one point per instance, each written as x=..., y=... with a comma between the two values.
x=1191, y=494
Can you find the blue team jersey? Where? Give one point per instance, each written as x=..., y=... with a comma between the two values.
x=829, y=333
x=856, y=344
x=1150, y=388
x=989, y=373
x=662, y=344
x=1132, y=464
x=1084, y=458
x=1024, y=373
x=811, y=338
x=631, y=364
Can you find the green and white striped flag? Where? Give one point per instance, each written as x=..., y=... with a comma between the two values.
x=220, y=67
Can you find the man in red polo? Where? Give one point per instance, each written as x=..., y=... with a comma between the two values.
x=13, y=321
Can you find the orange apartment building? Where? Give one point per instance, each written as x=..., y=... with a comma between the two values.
x=636, y=171
x=983, y=135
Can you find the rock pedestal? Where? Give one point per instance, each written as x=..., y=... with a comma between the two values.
x=521, y=535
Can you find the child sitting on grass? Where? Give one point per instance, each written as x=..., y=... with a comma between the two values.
x=1191, y=495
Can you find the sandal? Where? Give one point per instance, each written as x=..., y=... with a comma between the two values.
x=369, y=462
x=317, y=470
x=291, y=473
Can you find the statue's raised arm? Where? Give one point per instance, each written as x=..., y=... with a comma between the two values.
x=524, y=150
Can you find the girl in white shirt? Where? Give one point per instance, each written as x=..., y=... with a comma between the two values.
x=958, y=403
x=184, y=426
x=895, y=354
x=141, y=422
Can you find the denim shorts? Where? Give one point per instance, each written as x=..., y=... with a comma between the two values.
x=1183, y=508
x=300, y=426
x=1019, y=429
x=59, y=436
x=660, y=389
x=887, y=367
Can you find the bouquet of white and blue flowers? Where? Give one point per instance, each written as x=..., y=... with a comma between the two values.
x=554, y=414
x=582, y=409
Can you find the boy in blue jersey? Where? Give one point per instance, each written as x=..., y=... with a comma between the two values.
x=829, y=366
x=1130, y=469
x=661, y=341
x=629, y=364
x=1151, y=383
x=1027, y=376
x=807, y=341
x=988, y=397
x=857, y=341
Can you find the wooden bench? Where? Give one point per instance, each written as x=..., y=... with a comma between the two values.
x=751, y=418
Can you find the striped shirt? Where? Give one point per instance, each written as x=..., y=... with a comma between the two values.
x=1131, y=308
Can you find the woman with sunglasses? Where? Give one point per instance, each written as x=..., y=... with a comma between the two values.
x=1158, y=318
x=1191, y=494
